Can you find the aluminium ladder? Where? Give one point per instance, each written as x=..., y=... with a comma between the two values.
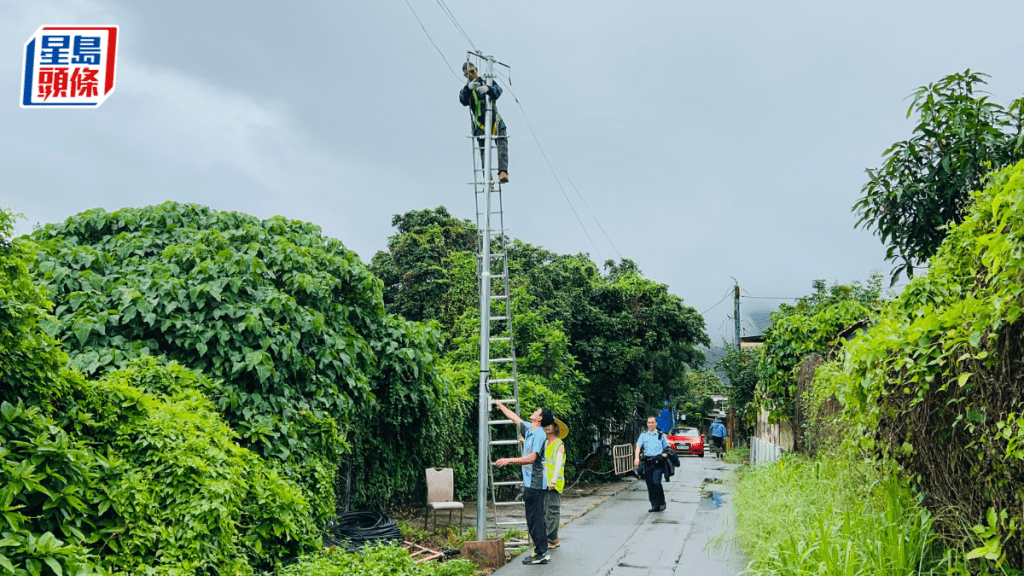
x=503, y=435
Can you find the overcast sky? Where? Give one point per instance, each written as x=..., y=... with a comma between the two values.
x=712, y=140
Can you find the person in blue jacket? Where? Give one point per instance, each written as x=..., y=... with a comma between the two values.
x=718, y=436
x=473, y=94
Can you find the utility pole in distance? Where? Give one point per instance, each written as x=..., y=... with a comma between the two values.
x=736, y=311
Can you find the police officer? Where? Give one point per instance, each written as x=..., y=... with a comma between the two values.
x=654, y=446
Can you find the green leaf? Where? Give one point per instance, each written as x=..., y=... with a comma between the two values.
x=82, y=328
x=54, y=565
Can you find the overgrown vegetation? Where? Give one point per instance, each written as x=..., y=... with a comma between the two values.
x=941, y=378
x=290, y=323
x=928, y=403
x=926, y=181
x=134, y=472
x=811, y=325
x=832, y=516
x=373, y=561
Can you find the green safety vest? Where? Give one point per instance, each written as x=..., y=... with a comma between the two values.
x=550, y=452
x=478, y=114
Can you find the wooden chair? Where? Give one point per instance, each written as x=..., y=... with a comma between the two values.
x=441, y=495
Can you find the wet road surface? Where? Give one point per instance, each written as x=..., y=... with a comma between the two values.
x=694, y=536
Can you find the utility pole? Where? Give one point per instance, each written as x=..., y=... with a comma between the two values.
x=736, y=311
x=483, y=465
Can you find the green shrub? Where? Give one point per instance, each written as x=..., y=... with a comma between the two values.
x=373, y=561
x=136, y=473
x=291, y=322
x=189, y=498
x=809, y=326
x=938, y=378
x=48, y=477
x=48, y=498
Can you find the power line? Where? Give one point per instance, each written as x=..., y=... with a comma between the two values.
x=585, y=203
x=594, y=216
x=773, y=297
x=550, y=167
x=717, y=303
x=455, y=21
x=432, y=41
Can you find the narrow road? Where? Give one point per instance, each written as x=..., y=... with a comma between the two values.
x=693, y=537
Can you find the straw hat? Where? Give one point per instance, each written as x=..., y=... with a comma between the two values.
x=563, y=430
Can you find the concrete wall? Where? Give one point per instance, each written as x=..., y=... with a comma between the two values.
x=770, y=440
x=762, y=452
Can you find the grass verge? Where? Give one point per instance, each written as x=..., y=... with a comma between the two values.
x=834, y=516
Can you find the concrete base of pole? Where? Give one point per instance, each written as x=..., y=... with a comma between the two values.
x=488, y=553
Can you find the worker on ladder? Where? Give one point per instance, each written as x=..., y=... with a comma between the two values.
x=473, y=94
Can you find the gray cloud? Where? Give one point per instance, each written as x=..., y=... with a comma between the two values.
x=712, y=140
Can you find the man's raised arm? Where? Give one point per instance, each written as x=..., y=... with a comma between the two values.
x=508, y=413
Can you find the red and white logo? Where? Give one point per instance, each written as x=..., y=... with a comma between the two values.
x=69, y=66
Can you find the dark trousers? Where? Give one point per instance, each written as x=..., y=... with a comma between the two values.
x=552, y=513
x=655, y=491
x=501, y=142
x=534, y=500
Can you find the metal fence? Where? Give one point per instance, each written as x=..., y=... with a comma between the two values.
x=622, y=458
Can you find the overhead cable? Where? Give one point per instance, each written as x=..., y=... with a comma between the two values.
x=594, y=216
x=585, y=203
x=432, y=41
x=552, y=169
x=717, y=303
x=455, y=21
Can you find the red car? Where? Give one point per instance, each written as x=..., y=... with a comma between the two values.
x=686, y=441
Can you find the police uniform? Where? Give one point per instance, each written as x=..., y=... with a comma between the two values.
x=652, y=446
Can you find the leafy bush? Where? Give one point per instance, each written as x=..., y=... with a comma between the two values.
x=926, y=181
x=373, y=561
x=136, y=473
x=812, y=325
x=292, y=324
x=939, y=376
x=48, y=477
x=190, y=500
x=48, y=496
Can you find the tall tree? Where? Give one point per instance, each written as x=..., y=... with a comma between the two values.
x=634, y=344
x=811, y=325
x=740, y=366
x=926, y=181
x=416, y=280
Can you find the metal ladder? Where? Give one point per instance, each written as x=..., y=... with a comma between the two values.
x=503, y=383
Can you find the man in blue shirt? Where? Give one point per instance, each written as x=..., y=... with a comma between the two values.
x=718, y=436
x=654, y=445
x=533, y=477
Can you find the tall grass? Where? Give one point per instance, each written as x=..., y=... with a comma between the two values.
x=831, y=517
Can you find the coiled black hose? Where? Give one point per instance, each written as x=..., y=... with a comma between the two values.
x=353, y=530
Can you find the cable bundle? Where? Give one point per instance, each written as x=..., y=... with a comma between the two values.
x=353, y=530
